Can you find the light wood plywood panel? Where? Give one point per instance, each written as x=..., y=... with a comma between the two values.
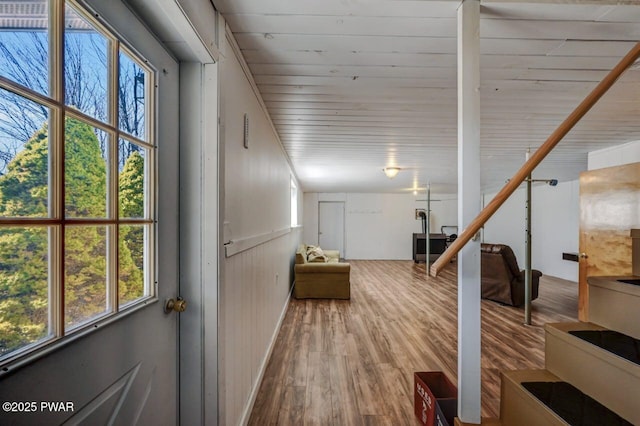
x=609, y=201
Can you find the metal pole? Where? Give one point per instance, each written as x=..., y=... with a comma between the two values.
x=527, y=258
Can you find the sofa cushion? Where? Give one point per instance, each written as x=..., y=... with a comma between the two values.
x=316, y=255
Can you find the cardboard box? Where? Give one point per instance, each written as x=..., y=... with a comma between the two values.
x=435, y=399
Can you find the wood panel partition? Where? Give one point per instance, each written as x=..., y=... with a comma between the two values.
x=472, y=229
x=609, y=208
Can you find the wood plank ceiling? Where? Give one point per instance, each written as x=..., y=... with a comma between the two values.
x=353, y=86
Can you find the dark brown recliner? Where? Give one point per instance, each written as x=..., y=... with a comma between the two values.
x=502, y=280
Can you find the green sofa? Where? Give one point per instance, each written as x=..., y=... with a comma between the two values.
x=320, y=277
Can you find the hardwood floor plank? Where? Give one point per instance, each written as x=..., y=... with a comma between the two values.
x=367, y=389
x=300, y=338
x=349, y=362
x=399, y=402
x=343, y=402
x=291, y=411
x=377, y=421
x=338, y=318
x=317, y=407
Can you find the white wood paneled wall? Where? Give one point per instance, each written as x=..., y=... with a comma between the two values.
x=256, y=272
x=380, y=225
x=614, y=156
x=254, y=298
x=555, y=219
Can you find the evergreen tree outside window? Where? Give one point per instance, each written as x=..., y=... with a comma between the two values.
x=77, y=168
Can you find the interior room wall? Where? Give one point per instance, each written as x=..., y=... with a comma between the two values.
x=310, y=219
x=615, y=156
x=555, y=217
x=554, y=226
x=256, y=273
x=379, y=225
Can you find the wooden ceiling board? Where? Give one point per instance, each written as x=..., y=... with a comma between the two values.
x=400, y=8
x=347, y=25
x=533, y=12
x=593, y=48
x=334, y=81
x=621, y=14
x=568, y=30
x=353, y=86
x=308, y=57
x=345, y=43
x=527, y=88
x=351, y=71
x=436, y=60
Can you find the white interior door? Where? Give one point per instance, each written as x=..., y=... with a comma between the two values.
x=331, y=226
x=123, y=371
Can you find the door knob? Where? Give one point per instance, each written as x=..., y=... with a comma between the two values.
x=583, y=255
x=177, y=305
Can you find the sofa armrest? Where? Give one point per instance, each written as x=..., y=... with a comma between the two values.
x=326, y=268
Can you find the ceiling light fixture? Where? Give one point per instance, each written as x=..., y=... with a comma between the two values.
x=391, y=172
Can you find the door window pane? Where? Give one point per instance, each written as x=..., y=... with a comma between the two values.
x=24, y=157
x=24, y=43
x=131, y=263
x=85, y=66
x=85, y=170
x=24, y=289
x=131, y=166
x=76, y=216
x=85, y=290
x=132, y=97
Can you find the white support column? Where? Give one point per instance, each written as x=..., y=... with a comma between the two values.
x=469, y=201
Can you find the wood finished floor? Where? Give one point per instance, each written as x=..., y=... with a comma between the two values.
x=352, y=362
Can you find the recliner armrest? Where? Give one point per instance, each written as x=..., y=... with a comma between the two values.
x=534, y=274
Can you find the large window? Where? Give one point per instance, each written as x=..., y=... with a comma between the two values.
x=76, y=175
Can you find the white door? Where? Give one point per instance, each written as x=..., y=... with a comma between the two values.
x=331, y=226
x=123, y=371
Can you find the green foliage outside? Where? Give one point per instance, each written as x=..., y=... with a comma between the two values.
x=131, y=241
x=24, y=252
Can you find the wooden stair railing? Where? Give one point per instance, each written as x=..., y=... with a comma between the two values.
x=535, y=159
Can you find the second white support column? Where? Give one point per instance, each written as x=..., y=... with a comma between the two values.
x=469, y=201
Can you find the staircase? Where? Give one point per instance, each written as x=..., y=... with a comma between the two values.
x=592, y=370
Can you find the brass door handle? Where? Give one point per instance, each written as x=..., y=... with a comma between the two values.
x=177, y=305
x=583, y=255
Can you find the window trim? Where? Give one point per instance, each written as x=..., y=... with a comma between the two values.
x=59, y=335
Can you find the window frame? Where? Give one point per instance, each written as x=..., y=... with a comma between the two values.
x=56, y=222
